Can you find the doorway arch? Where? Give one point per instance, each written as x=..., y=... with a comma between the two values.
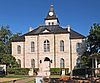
x=46, y=59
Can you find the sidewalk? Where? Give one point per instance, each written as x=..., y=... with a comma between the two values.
x=23, y=80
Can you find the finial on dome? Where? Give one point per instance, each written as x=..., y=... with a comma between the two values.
x=51, y=8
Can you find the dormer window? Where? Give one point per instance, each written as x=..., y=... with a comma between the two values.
x=48, y=23
x=52, y=23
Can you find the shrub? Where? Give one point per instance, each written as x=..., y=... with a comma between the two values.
x=18, y=71
x=35, y=69
x=82, y=72
x=10, y=71
x=57, y=71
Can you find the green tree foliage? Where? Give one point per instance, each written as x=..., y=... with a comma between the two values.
x=94, y=39
x=93, y=44
x=6, y=36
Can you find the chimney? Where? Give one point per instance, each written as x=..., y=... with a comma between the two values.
x=68, y=28
x=30, y=29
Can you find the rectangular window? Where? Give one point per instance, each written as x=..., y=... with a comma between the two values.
x=32, y=47
x=46, y=46
x=19, y=49
x=61, y=45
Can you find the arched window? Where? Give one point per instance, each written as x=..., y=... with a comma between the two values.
x=32, y=47
x=19, y=63
x=62, y=63
x=52, y=23
x=61, y=45
x=48, y=23
x=32, y=63
x=46, y=46
x=19, y=49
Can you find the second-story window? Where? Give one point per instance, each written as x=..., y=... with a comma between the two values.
x=61, y=45
x=78, y=48
x=46, y=46
x=19, y=49
x=32, y=47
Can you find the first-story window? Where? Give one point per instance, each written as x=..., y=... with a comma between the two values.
x=32, y=63
x=62, y=63
x=19, y=49
x=19, y=63
x=40, y=61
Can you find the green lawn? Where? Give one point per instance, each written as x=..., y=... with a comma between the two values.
x=8, y=78
x=14, y=76
x=55, y=76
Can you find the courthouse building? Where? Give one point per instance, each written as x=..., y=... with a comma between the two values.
x=62, y=47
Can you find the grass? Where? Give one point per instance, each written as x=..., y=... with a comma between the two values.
x=14, y=76
x=8, y=78
x=55, y=76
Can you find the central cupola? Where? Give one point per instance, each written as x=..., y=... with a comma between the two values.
x=51, y=18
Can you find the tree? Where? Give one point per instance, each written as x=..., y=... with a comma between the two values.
x=8, y=59
x=6, y=36
x=92, y=44
x=93, y=41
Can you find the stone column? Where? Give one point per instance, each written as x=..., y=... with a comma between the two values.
x=96, y=62
x=96, y=66
x=92, y=66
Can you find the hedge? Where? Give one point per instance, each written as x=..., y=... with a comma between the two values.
x=82, y=72
x=57, y=71
x=18, y=71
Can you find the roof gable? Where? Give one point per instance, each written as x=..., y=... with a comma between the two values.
x=45, y=31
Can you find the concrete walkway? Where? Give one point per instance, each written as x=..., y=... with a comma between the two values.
x=23, y=80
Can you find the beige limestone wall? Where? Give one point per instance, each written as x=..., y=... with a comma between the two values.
x=74, y=50
x=28, y=54
x=15, y=54
x=42, y=54
x=59, y=54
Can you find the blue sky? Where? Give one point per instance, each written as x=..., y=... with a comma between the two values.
x=21, y=14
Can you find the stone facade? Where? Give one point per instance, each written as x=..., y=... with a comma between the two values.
x=66, y=56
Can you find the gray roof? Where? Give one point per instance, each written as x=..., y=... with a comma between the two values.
x=52, y=29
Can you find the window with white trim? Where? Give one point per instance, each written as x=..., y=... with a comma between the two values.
x=19, y=63
x=62, y=63
x=32, y=47
x=61, y=45
x=46, y=46
x=19, y=49
x=32, y=63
